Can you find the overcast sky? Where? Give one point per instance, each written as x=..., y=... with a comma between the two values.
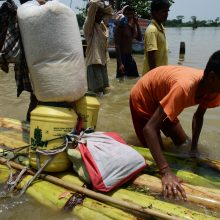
x=202, y=9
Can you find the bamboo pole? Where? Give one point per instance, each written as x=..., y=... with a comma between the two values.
x=6, y=139
x=143, y=199
x=209, y=199
x=187, y=162
x=196, y=194
x=55, y=197
x=24, y=127
x=14, y=124
x=129, y=206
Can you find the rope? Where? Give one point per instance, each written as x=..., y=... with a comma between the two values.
x=2, y=154
x=12, y=184
x=35, y=176
x=69, y=138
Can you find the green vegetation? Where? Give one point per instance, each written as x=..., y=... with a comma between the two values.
x=178, y=22
x=142, y=7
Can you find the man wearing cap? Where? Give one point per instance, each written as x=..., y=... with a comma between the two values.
x=155, y=45
x=96, y=35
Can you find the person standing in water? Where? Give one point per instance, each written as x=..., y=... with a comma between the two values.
x=127, y=29
x=155, y=45
x=96, y=35
x=159, y=97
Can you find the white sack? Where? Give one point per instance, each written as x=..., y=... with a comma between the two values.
x=53, y=50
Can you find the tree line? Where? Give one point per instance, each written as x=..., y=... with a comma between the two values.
x=194, y=22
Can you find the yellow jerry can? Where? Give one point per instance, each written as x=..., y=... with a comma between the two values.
x=49, y=122
x=88, y=108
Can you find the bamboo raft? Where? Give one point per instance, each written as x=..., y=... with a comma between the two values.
x=140, y=199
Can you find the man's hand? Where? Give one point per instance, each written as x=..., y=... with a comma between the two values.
x=136, y=19
x=41, y=2
x=122, y=69
x=172, y=186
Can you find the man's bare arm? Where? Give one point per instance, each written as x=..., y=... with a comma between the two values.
x=151, y=59
x=171, y=184
x=197, y=124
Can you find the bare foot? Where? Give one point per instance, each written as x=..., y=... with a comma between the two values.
x=195, y=154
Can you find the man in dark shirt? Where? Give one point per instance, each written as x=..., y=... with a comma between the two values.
x=127, y=29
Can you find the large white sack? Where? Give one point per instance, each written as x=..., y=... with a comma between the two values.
x=53, y=50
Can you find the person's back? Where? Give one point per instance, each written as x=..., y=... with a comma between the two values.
x=162, y=85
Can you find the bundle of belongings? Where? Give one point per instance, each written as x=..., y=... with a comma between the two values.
x=53, y=50
x=104, y=160
x=120, y=18
x=11, y=48
x=55, y=64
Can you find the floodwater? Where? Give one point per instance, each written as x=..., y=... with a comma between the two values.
x=114, y=113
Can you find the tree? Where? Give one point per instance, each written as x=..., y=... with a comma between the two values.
x=180, y=18
x=81, y=19
x=216, y=22
x=142, y=7
x=194, y=22
x=193, y=18
x=81, y=16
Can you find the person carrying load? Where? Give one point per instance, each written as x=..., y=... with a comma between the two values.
x=96, y=35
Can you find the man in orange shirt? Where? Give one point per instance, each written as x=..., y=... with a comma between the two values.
x=159, y=97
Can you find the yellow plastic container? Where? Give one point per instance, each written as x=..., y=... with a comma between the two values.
x=88, y=108
x=48, y=122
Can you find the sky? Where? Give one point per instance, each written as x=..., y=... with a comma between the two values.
x=202, y=9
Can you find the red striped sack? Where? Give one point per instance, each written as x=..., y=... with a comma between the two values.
x=109, y=161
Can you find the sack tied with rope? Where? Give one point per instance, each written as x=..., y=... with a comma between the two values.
x=105, y=160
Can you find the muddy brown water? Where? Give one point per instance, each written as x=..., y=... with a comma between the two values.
x=114, y=114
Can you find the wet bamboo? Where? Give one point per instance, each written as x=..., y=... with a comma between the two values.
x=198, y=195
x=9, y=140
x=23, y=126
x=211, y=200
x=55, y=197
x=41, y=188
x=212, y=181
x=14, y=140
x=187, y=162
x=129, y=206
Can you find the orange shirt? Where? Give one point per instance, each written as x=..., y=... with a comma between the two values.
x=173, y=87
